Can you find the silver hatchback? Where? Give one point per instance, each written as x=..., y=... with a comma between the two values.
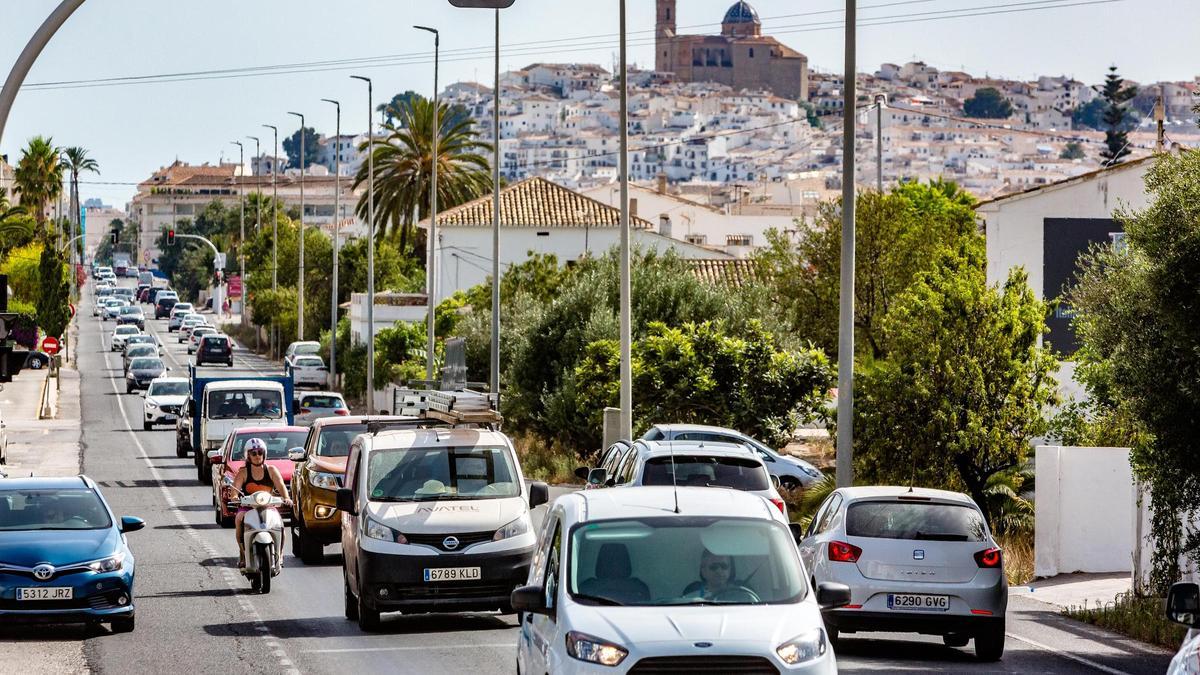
x=916, y=561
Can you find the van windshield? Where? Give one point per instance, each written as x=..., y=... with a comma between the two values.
x=442, y=473
x=240, y=403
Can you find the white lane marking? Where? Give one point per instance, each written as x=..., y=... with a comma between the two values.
x=230, y=578
x=1067, y=655
x=352, y=650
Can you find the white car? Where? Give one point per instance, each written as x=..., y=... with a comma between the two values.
x=195, y=334
x=189, y=322
x=1183, y=607
x=113, y=309
x=670, y=579
x=297, y=349
x=308, y=371
x=119, y=335
x=792, y=472
x=164, y=400
x=178, y=312
x=313, y=405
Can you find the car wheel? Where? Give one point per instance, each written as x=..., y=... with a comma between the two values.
x=307, y=549
x=350, y=601
x=368, y=617
x=956, y=640
x=832, y=634
x=35, y=364
x=989, y=642
x=789, y=483
x=128, y=388
x=147, y=426
x=181, y=450
x=123, y=625
x=200, y=477
x=223, y=520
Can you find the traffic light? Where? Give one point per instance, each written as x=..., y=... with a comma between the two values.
x=170, y=237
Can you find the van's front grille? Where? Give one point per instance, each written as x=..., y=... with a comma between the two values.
x=438, y=541
x=451, y=590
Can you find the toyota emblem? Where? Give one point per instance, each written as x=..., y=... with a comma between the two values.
x=450, y=543
x=43, y=572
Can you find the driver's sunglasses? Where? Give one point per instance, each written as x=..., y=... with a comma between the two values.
x=258, y=453
x=718, y=567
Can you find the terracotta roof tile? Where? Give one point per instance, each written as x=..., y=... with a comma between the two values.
x=537, y=202
x=736, y=272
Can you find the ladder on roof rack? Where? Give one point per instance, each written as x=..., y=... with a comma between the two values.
x=452, y=407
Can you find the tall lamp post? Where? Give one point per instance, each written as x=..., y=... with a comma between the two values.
x=880, y=104
x=257, y=226
x=242, y=224
x=626, y=318
x=274, y=211
x=431, y=266
x=370, y=244
x=845, y=412
x=300, y=277
x=337, y=222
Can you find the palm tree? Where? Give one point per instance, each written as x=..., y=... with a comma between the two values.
x=402, y=168
x=16, y=227
x=38, y=177
x=76, y=161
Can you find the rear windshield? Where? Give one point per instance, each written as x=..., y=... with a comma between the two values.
x=127, y=330
x=698, y=470
x=915, y=520
x=214, y=340
x=52, y=509
x=307, y=348
x=310, y=361
x=322, y=402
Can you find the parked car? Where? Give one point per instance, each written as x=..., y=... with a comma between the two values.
x=65, y=554
x=1183, y=607
x=311, y=406
x=142, y=371
x=195, y=335
x=177, y=313
x=297, y=349
x=658, y=579
x=164, y=399
x=163, y=303
x=308, y=371
x=37, y=360
x=118, y=337
x=132, y=315
x=231, y=457
x=792, y=472
x=214, y=349
x=136, y=351
x=916, y=560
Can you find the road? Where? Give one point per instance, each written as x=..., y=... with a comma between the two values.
x=196, y=614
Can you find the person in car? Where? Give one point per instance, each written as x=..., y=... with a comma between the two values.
x=256, y=476
x=268, y=407
x=716, y=575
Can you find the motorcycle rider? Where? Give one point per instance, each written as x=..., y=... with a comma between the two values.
x=256, y=476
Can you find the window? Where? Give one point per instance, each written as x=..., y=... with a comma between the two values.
x=624, y=472
x=696, y=239
x=52, y=509
x=432, y=474
x=827, y=517
x=245, y=403
x=915, y=520
x=278, y=443
x=322, y=401
x=553, y=565
x=739, y=473
x=752, y=52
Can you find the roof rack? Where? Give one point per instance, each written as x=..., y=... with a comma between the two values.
x=451, y=407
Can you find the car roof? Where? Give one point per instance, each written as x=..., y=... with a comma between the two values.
x=678, y=428
x=170, y=380
x=360, y=419
x=224, y=385
x=640, y=502
x=650, y=449
x=240, y=431
x=46, y=482
x=897, y=491
x=391, y=439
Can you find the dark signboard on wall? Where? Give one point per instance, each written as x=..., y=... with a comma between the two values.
x=1064, y=240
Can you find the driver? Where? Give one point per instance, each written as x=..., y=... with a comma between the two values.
x=256, y=476
x=716, y=574
x=268, y=407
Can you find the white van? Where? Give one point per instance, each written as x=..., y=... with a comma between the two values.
x=434, y=520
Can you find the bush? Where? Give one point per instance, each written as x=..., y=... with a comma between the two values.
x=1140, y=618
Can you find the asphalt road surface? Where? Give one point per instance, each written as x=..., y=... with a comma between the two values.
x=195, y=614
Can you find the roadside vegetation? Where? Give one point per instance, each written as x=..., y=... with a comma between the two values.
x=1141, y=618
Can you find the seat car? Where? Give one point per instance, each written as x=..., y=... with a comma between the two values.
x=65, y=557
x=194, y=337
x=297, y=349
x=177, y=313
x=231, y=457
x=136, y=351
x=434, y=520
x=215, y=349
x=164, y=301
x=308, y=371
x=313, y=405
x=164, y=399
x=1183, y=607
x=320, y=470
x=916, y=561
x=792, y=472
x=142, y=371
x=661, y=579
x=119, y=335
x=132, y=315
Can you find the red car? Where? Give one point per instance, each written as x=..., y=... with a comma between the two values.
x=232, y=457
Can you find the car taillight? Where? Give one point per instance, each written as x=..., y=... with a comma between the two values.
x=780, y=505
x=840, y=551
x=989, y=558
x=341, y=411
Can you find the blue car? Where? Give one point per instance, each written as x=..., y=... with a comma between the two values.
x=63, y=555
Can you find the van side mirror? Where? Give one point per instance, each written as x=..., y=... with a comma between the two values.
x=539, y=493
x=345, y=501
x=797, y=531
x=530, y=599
x=1183, y=604
x=296, y=454
x=597, y=477
x=832, y=596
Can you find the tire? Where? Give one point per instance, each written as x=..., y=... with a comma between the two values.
x=989, y=642
x=147, y=426
x=181, y=451
x=304, y=547
x=832, y=634
x=351, y=603
x=128, y=388
x=35, y=364
x=368, y=617
x=264, y=568
x=789, y=483
x=956, y=640
x=125, y=624
x=200, y=474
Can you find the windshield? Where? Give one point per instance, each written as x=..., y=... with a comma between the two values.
x=684, y=561
x=312, y=348
x=239, y=403
x=127, y=330
x=739, y=473
x=146, y=364
x=278, y=444
x=915, y=520
x=431, y=474
x=168, y=389
x=334, y=402
x=52, y=509
x=141, y=350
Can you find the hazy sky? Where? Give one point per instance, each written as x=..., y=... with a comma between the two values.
x=134, y=129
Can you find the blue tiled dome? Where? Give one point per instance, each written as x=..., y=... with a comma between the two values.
x=741, y=12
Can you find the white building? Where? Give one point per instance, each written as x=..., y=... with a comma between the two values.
x=390, y=309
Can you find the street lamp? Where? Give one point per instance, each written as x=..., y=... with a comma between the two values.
x=496, y=5
x=431, y=266
x=845, y=411
x=880, y=104
x=274, y=229
x=370, y=244
x=337, y=216
x=300, y=280
x=626, y=318
x=257, y=228
x=242, y=223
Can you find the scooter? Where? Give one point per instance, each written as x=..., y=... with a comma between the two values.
x=262, y=533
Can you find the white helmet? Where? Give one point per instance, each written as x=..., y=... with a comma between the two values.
x=256, y=444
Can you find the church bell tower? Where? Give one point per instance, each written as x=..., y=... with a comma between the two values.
x=664, y=34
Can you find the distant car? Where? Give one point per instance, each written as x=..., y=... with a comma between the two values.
x=136, y=351
x=177, y=313
x=308, y=371
x=792, y=472
x=132, y=315
x=1183, y=607
x=65, y=554
x=296, y=349
x=113, y=309
x=189, y=322
x=231, y=457
x=143, y=293
x=119, y=335
x=163, y=303
x=37, y=360
x=197, y=333
x=916, y=560
x=156, y=290
x=314, y=405
x=144, y=339
x=214, y=349
x=101, y=302
x=164, y=399
x=124, y=292
x=142, y=371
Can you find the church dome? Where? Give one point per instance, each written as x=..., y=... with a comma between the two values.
x=741, y=12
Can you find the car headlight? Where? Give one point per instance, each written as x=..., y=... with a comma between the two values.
x=153, y=405
x=594, y=650
x=377, y=530
x=109, y=564
x=516, y=528
x=320, y=479
x=805, y=647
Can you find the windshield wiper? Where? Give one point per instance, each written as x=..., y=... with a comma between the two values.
x=599, y=600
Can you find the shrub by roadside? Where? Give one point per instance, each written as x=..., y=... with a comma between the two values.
x=1140, y=618
x=545, y=460
x=1018, y=556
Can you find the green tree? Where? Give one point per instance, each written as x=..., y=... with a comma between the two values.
x=21, y=266
x=17, y=227
x=53, y=294
x=1090, y=115
x=966, y=386
x=312, y=146
x=38, y=177
x=1116, y=95
x=1072, y=150
x=988, y=103
x=403, y=164
x=76, y=161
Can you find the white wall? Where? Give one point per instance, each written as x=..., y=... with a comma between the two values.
x=1085, y=510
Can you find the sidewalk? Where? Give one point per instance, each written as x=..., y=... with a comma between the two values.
x=1076, y=590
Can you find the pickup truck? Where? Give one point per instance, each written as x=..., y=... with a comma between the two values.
x=222, y=401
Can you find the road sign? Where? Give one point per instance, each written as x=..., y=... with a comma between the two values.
x=219, y=261
x=235, y=286
x=50, y=345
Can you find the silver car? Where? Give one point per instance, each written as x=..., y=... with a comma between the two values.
x=916, y=561
x=178, y=312
x=792, y=472
x=308, y=371
x=313, y=405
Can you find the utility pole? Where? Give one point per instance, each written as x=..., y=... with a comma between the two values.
x=274, y=337
x=845, y=413
x=626, y=314
x=880, y=104
x=300, y=277
x=431, y=267
x=242, y=225
x=370, y=243
x=495, y=354
x=1160, y=115
x=337, y=223
x=257, y=228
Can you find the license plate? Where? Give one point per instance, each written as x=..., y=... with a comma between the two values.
x=58, y=593
x=452, y=574
x=169, y=418
x=907, y=602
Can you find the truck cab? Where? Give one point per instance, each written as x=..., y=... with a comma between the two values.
x=219, y=404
